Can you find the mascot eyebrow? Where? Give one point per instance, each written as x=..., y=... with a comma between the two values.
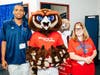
x=44, y=12
x=46, y=48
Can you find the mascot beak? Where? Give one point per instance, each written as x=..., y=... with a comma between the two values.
x=45, y=23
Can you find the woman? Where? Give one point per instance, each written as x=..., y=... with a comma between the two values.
x=82, y=51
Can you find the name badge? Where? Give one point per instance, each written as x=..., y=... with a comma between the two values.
x=22, y=46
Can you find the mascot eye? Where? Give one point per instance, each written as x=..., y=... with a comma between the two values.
x=39, y=18
x=51, y=17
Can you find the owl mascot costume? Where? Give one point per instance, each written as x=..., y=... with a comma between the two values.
x=46, y=49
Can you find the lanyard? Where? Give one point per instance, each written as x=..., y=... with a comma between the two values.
x=82, y=44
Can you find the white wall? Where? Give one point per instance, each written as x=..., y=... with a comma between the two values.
x=98, y=7
x=98, y=11
x=3, y=2
x=81, y=8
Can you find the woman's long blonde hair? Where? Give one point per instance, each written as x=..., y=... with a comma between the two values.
x=85, y=33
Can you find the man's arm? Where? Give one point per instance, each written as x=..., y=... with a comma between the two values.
x=3, y=51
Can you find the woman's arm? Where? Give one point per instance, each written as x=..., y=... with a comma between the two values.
x=73, y=56
x=87, y=60
x=93, y=55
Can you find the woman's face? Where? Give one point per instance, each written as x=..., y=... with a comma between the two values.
x=78, y=30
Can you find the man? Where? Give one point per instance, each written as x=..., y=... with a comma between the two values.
x=15, y=40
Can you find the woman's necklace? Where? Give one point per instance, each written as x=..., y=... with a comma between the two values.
x=82, y=44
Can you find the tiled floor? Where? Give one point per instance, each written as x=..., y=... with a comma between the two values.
x=3, y=72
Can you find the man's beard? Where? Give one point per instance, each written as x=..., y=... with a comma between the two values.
x=18, y=18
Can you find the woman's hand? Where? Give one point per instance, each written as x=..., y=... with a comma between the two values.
x=88, y=60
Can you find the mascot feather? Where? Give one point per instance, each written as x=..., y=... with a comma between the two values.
x=46, y=48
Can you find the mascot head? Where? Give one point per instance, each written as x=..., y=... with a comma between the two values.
x=45, y=20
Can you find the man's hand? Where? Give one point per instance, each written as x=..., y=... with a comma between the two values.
x=4, y=64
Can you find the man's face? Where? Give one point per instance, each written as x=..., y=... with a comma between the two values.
x=18, y=12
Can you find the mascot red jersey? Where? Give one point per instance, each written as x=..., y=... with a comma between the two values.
x=46, y=48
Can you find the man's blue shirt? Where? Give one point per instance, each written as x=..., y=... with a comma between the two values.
x=16, y=38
